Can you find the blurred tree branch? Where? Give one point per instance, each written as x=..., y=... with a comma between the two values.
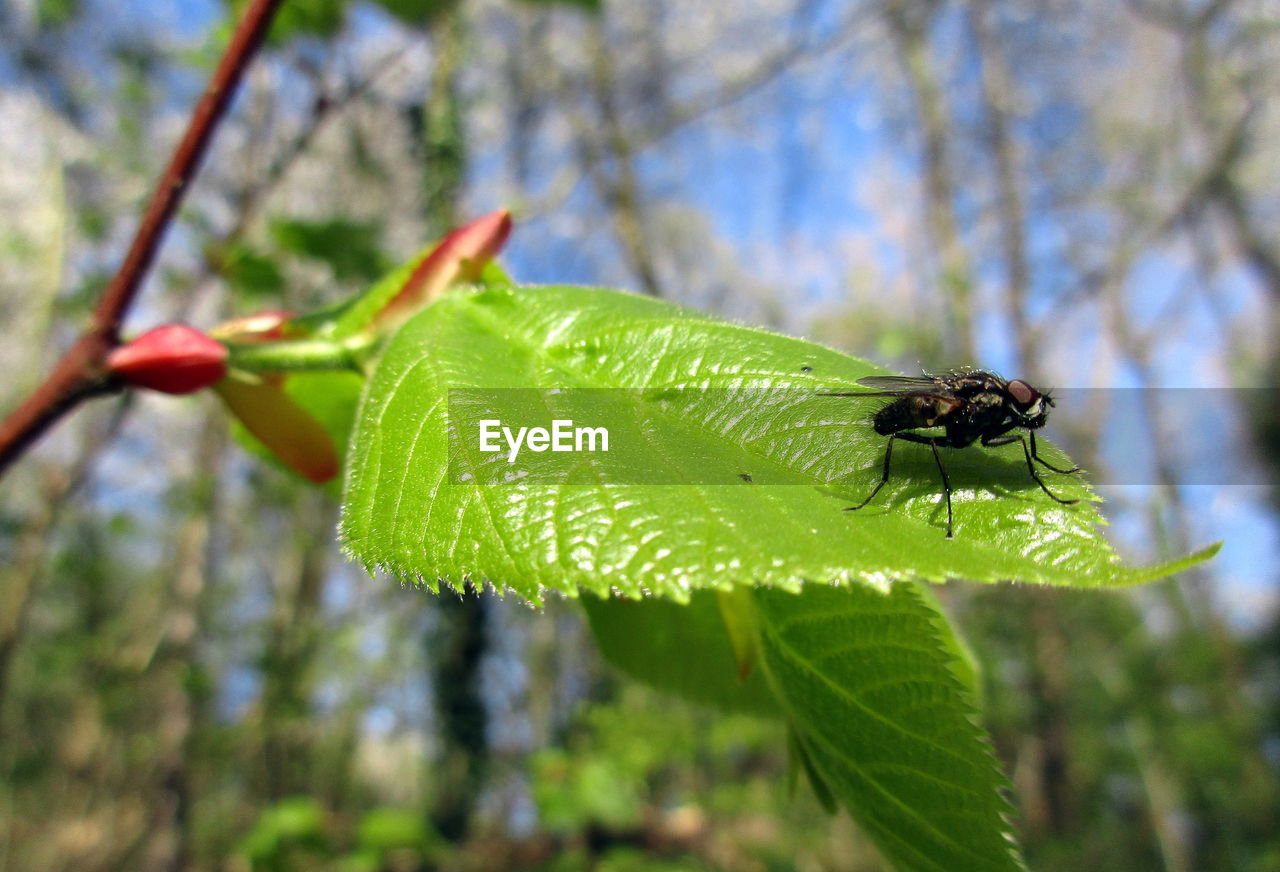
x=325, y=108
x=609, y=146
x=619, y=190
x=180, y=698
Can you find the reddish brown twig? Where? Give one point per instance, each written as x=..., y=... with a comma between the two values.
x=81, y=372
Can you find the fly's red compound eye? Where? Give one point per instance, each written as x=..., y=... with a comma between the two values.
x=1023, y=394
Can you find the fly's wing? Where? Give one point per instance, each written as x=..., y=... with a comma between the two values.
x=902, y=386
x=906, y=384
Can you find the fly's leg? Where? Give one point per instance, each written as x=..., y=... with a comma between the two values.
x=1029, y=453
x=1038, y=459
x=888, y=455
x=946, y=482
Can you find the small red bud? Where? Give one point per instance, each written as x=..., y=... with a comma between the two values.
x=173, y=359
x=459, y=257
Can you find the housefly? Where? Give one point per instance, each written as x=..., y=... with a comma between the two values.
x=969, y=406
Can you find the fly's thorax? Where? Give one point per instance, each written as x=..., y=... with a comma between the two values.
x=975, y=383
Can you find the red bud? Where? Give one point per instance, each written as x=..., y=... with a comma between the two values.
x=459, y=257
x=173, y=359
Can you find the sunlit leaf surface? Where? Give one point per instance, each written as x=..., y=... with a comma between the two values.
x=886, y=725
x=716, y=404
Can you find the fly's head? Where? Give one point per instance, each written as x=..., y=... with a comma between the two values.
x=1029, y=406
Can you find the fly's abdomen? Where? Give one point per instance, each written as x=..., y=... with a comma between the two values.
x=910, y=413
x=902, y=414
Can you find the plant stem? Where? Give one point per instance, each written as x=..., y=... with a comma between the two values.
x=297, y=355
x=81, y=373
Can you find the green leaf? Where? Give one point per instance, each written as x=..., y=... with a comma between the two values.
x=292, y=821
x=462, y=256
x=493, y=276
x=802, y=761
x=964, y=662
x=55, y=14
x=387, y=829
x=743, y=472
x=738, y=616
x=350, y=248
x=682, y=649
x=328, y=397
x=251, y=274
x=570, y=791
x=883, y=724
x=331, y=397
x=417, y=13
x=350, y=316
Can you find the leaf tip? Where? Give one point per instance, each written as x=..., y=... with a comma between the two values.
x=1159, y=571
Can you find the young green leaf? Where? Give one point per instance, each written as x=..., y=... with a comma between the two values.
x=464, y=255
x=883, y=724
x=740, y=472
x=682, y=649
x=286, y=429
x=349, y=248
x=802, y=762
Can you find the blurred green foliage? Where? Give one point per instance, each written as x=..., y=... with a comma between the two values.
x=352, y=249
x=252, y=275
x=312, y=18
x=323, y=19
x=288, y=835
x=56, y=13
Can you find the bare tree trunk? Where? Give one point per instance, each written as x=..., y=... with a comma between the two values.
x=457, y=652
x=1173, y=532
x=997, y=94
x=460, y=641
x=1208, y=101
x=909, y=22
x=443, y=135
x=171, y=844
x=619, y=189
x=23, y=578
x=1259, y=254
x=1052, y=677
x=289, y=659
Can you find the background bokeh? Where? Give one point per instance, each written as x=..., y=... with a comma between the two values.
x=1082, y=194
